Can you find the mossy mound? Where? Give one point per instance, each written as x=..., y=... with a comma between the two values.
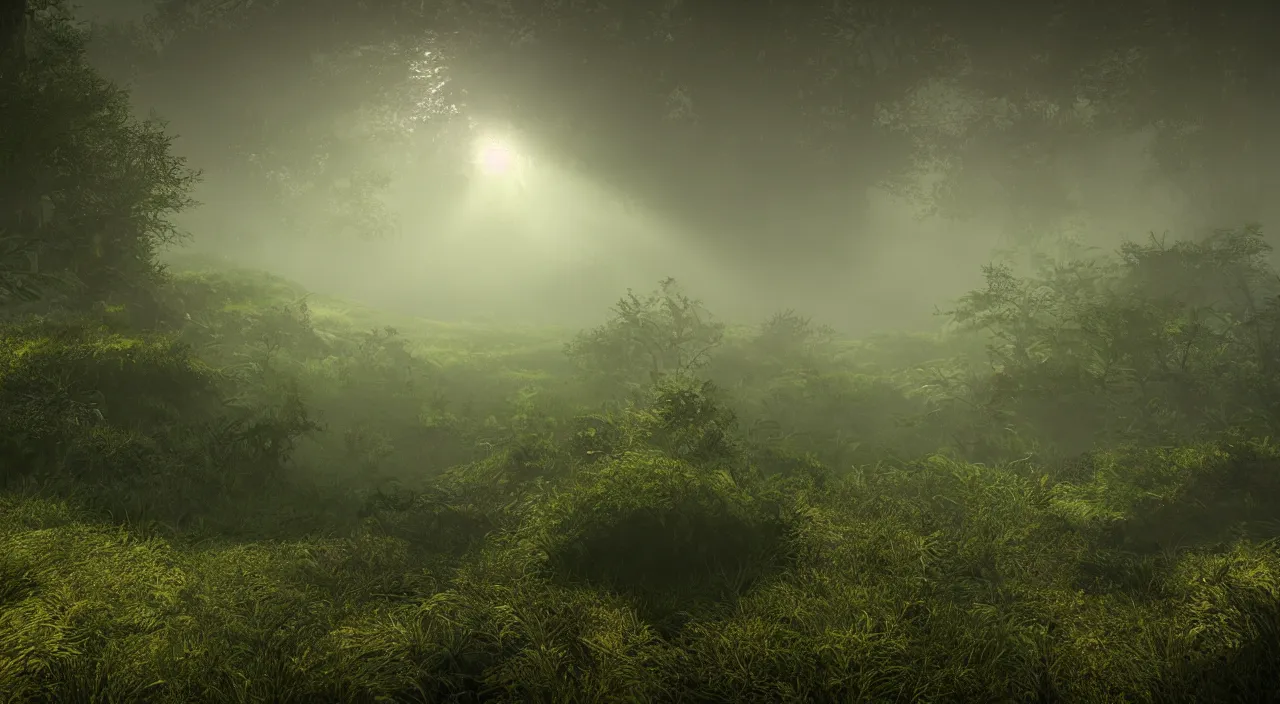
x=137, y=425
x=662, y=532
x=59, y=381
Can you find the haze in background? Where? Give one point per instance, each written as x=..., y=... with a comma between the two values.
x=869, y=231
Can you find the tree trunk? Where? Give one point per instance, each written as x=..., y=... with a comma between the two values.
x=13, y=32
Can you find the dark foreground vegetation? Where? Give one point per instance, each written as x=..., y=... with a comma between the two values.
x=219, y=488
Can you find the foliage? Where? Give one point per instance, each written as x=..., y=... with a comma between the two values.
x=907, y=93
x=138, y=421
x=664, y=332
x=231, y=489
x=654, y=548
x=223, y=488
x=1168, y=342
x=88, y=190
x=664, y=532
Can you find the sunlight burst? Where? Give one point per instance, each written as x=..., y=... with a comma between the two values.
x=496, y=157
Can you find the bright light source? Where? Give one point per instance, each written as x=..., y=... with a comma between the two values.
x=496, y=157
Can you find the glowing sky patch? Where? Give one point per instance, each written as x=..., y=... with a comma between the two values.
x=496, y=158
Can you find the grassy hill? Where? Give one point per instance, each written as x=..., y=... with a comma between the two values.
x=239, y=289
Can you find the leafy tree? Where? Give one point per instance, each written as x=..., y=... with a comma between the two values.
x=789, y=334
x=86, y=190
x=1031, y=88
x=665, y=332
x=1164, y=341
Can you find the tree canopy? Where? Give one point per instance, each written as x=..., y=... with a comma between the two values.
x=88, y=191
x=780, y=102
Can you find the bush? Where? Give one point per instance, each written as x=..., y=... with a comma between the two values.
x=1167, y=343
x=666, y=332
x=661, y=531
x=1173, y=499
x=138, y=421
x=59, y=381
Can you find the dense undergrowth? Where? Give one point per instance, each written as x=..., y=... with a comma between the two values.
x=215, y=486
x=270, y=497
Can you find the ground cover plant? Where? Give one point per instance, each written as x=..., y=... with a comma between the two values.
x=260, y=503
x=217, y=486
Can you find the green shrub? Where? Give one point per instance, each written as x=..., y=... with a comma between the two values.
x=1172, y=499
x=59, y=382
x=661, y=531
x=665, y=332
x=1169, y=342
x=136, y=421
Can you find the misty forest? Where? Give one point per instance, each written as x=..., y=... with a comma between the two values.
x=679, y=351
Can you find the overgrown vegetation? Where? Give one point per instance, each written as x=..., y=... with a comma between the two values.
x=217, y=487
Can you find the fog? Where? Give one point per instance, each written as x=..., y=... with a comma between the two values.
x=915, y=442
x=869, y=230
x=538, y=244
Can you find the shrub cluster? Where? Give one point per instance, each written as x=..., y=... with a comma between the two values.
x=215, y=486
